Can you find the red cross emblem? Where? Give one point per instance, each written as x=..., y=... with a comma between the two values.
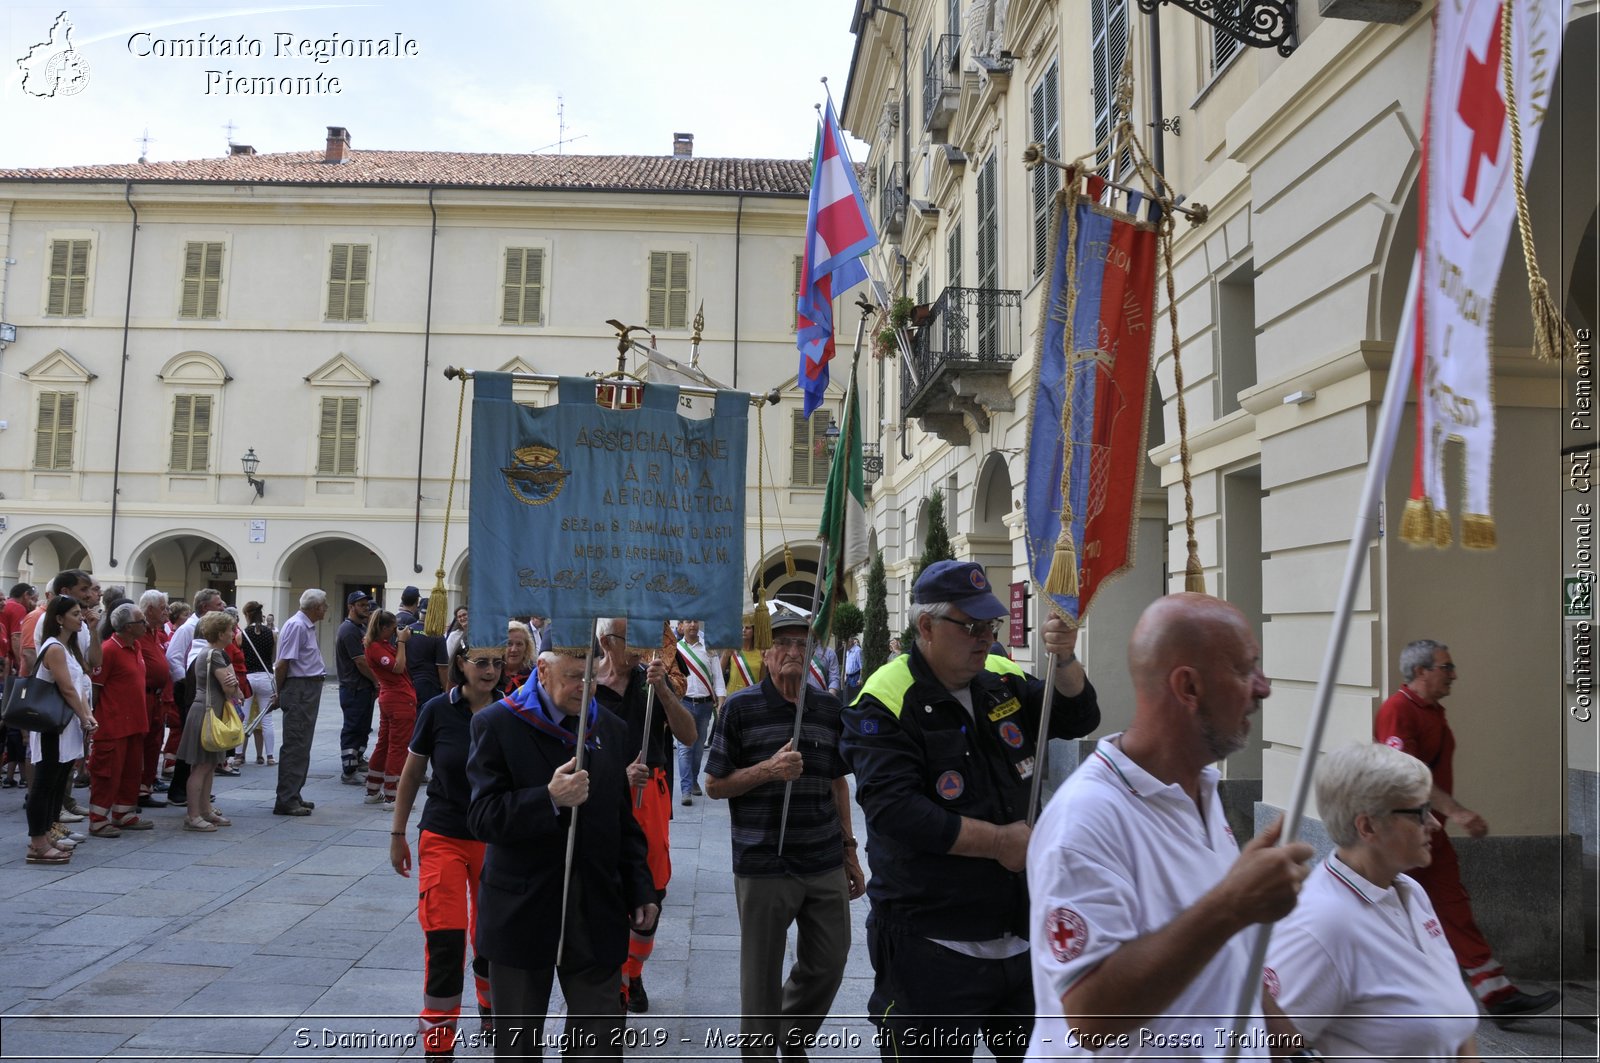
x=1482, y=108
x=1067, y=933
x=1269, y=982
x=1395, y=742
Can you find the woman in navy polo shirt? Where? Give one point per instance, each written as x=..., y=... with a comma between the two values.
x=449, y=859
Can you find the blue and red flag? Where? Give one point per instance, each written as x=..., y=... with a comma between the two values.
x=1090, y=395
x=838, y=233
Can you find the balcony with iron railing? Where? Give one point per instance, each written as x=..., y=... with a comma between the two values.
x=959, y=371
x=892, y=202
x=941, y=86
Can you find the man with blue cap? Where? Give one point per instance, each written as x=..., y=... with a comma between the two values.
x=943, y=742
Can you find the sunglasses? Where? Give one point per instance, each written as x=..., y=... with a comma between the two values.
x=978, y=629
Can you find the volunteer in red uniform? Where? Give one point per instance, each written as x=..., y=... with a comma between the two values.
x=623, y=687
x=397, y=705
x=1412, y=720
x=117, y=757
x=449, y=859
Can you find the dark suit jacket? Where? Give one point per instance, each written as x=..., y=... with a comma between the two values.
x=519, y=900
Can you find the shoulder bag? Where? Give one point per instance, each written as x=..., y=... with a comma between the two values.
x=223, y=730
x=35, y=704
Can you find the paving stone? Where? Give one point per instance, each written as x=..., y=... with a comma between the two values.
x=60, y=1044
x=190, y=1036
x=26, y=965
x=254, y=997
x=341, y=861
x=293, y=887
x=353, y=918
x=172, y=903
x=323, y=941
x=257, y=923
x=264, y=967
x=97, y=929
x=190, y=952
x=57, y=900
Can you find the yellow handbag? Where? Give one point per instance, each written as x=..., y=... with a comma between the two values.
x=223, y=731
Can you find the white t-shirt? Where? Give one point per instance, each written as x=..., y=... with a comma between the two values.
x=1366, y=973
x=1118, y=854
x=71, y=739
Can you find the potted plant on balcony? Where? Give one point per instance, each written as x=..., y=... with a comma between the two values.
x=902, y=314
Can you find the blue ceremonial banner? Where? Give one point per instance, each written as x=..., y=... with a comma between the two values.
x=580, y=512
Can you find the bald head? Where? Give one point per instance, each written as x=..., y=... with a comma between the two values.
x=1176, y=631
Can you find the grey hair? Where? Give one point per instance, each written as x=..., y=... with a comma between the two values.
x=115, y=591
x=1417, y=656
x=918, y=610
x=232, y=611
x=208, y=594
x=152, y=599
x=313, y=598
x=550, y=658
x=608, y=625
x=1365, y=778
x=123, y=615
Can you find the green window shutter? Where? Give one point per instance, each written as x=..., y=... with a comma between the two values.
x=182, y=426
x=328, y=438
x=511, y=288
x=78, y=281
x=66, y=426
x=800, y=452
x=356, y=306
x=193, y=260
x=349, y=428
x=200, y=434
x=522, y=292
x=68, y=287
x=678, y=294
x=211, y=282
x=656, y=314
x=347, y=282
x=338, y=281
x=809, y=453
x=56, y=299
x=44, y=439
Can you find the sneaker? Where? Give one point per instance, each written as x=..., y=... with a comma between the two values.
x=695, y=790
x=288, y=810
x=159, y=786
x=69, y=816
x=135, y=823
x=75, y=808
x=152, y=801
x=372, y=799
x=388, y=806
x=687, y=800
x=353, y=778
x=1519, y=1005
x=638, y=1001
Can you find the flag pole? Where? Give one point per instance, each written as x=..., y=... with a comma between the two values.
x=1366, y=530
x=649, y=713
x=805, y=682
x=572, y=824
x=1042, y=746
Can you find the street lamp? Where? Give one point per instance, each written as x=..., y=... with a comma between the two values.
x=251, y=463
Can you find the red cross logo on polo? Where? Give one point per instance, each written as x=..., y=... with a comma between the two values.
x=1067, y=933
x=1433, y=928
x=1477, y=138
x=951, y=785
x=1395, y=742
x=1269, y=982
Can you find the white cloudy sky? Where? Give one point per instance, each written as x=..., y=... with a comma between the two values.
x=741, y=75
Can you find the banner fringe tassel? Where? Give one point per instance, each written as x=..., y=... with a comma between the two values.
x=1063, y=570
x=1442, y=536
x=1477, y=531
x=788, y=562
x=1194, y=576
x=762, y=621
x=1416, y=524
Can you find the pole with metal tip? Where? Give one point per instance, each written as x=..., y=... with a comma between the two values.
x=1042, y=746
x=805, y=681
x=644, y=743
x=572, y=824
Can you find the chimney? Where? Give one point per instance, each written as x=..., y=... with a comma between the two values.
x=338, y=144
x=241, y=149
x=683, y=145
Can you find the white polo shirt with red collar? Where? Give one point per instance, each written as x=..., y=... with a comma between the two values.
x=1365, y=972
x=1118, y=854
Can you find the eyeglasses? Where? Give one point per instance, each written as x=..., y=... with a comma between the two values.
x=794, y=644
x=978, y=629
x=486, y=662
x=1423, y=813
x=1451, y=668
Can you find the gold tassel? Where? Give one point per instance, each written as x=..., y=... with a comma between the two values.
x=1416, y=523
x=1194, y=575
x=1063, y=570
x=438, y=608
x=788, y=561
x=1477, y=531
x=1552, y=336
x=1442, y=536
x=762, y=621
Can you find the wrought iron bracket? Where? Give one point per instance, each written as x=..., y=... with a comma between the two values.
x=1257, y=23
x=1169, y=125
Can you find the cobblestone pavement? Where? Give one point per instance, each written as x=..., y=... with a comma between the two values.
x=292, y=938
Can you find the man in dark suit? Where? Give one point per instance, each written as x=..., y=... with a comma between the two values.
x=526, y=793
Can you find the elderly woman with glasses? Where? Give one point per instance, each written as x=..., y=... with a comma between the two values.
x=1361, y=965
x=449, y=859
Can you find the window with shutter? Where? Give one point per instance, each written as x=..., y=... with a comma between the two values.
x=988, y=255
x=202, y=281
x=1224, y=46
x=191, y=433
x=347, y=281
x=52, y=441
x=68, y=288
x=668, y=305
x=1045, y=128
x=952, y=256
x=338, y=436
x=522, y=292
x=1108, y=48
x=809, y=453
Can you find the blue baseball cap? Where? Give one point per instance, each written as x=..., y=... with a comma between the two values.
x=961, y=583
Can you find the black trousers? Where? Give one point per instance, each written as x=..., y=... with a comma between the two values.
x=930, y=1002
x=48, y=792
x=595, y=1020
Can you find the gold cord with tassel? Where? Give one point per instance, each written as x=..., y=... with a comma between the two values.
x=1063, y=577
x=1553, y=338
x=438, y=608
x=761, y=620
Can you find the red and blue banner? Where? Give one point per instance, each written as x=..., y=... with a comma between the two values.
x=838, y=233
x=1090, y=396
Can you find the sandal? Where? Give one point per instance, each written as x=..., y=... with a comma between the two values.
x=271, y=759
x=260, y=759
x=219, y=819
x=191, y=823
x=106, y=829
x=51, y=855
x=225, y=770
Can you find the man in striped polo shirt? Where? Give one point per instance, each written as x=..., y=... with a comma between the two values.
x=753, y=757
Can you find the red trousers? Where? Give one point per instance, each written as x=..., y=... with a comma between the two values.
x=395, y=721
x=447, y=908
x=1441, y=880
x=652, y=813
x=115, y=765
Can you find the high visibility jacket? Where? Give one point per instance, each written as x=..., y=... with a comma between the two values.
x=922, y=764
